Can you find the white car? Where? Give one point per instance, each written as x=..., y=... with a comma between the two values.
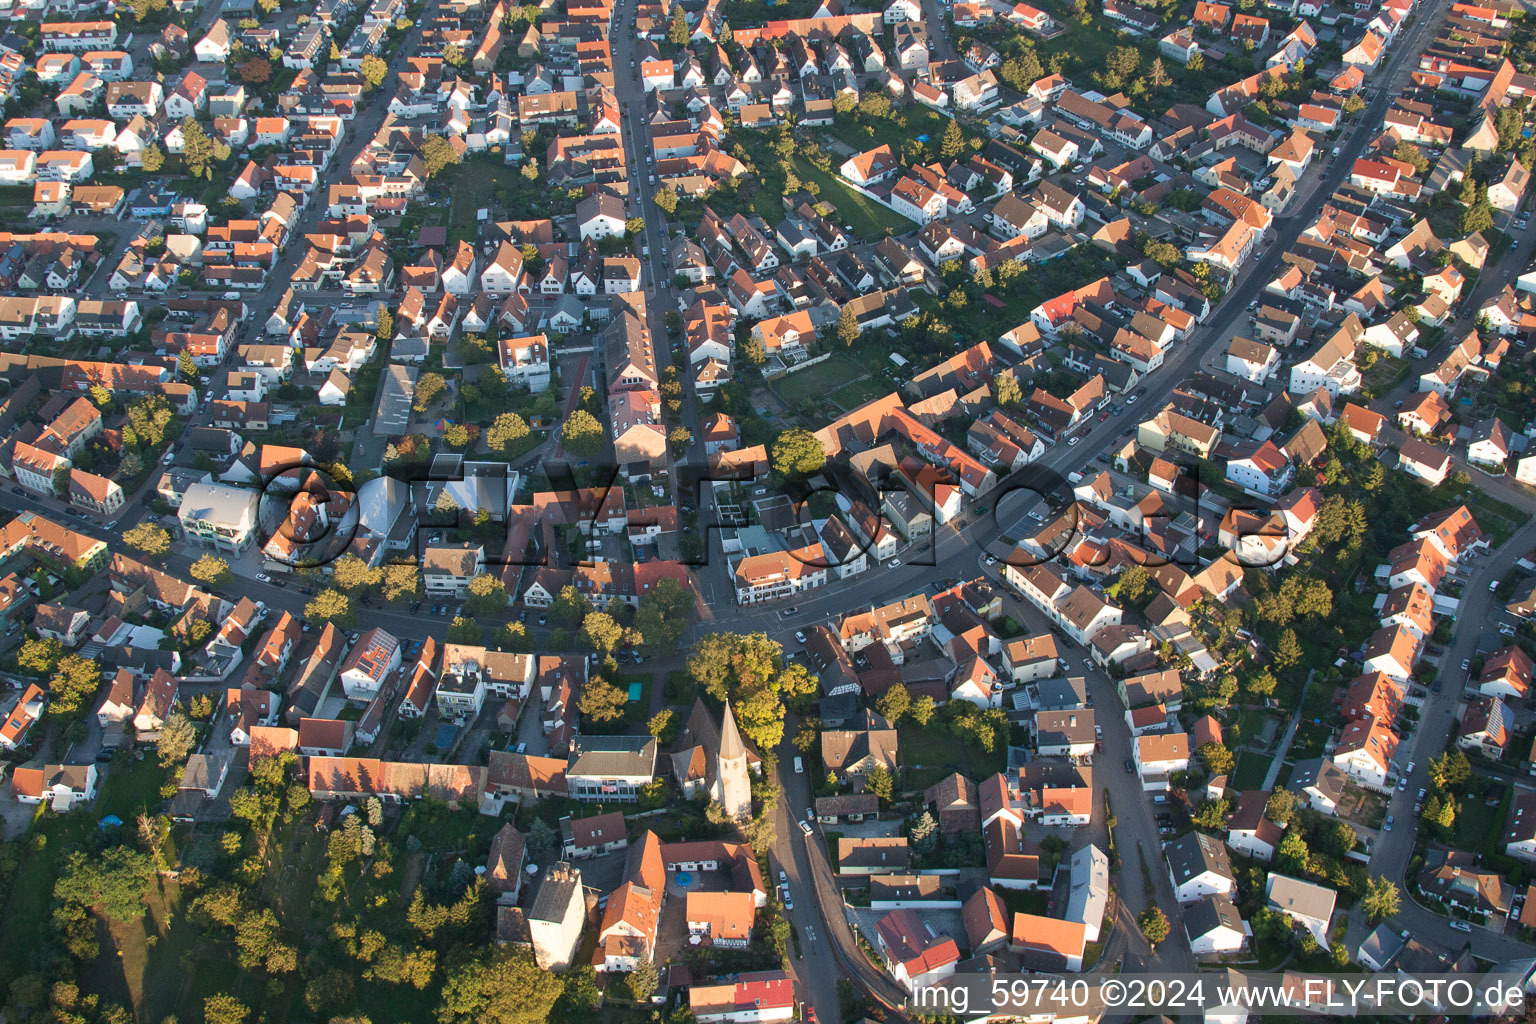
x=805, y=827
x=800, y=636
x=895, y=562
x=1073, y=440
x=263, y=577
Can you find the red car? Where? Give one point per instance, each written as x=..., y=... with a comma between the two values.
x=810, y=1015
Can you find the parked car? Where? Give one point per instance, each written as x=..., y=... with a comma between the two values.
x=1130, y=767
x=1386, y=826
x=263, y=577
x=1461, y=926
x=805, y=827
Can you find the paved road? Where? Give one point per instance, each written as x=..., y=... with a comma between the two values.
x=830, y=949
x=1477, y=614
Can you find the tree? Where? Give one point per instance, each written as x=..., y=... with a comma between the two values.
x=1478, y=216
x=384, y=324
x=152, y=540
x=224, y=1009
x=507, y=429
x=569, y=606
x=1218, y=759
x=894, y=703
x=601, y=701
x=152, y=158
x=40, y=655
x=1133, y=583
x=1381, y=899
x=952, y=144
x=1341, y=839
x=848, y=326
x=210, y=569
x=487, y=594
x=661, y=724
x=429, y=388
x=797, y=453
x=663, y=616
x=1154, y=925
x=438, y=154
x=1261, y=683
x=1211, y=815
x=197, y=148
x=880, y=783
x=602, y=632
x=1164, y=254
x=642, y=981
x=582, y=434
x=352, y=574
x=1157, y=75
x=464, y=630
x=922, y=710
x=1288, y=650
x=177, y=739
x=74, y=682
x=374, y=71
x=924, y=832
x=401, y=580
x=256, y=70
x=1281, y=807
x=541, y=838
x=1006, y=390
x=331, y=605
x=678, y=33
x=114, y=883
x=1293, y=851
x=1022, y=71
x=1449, y=770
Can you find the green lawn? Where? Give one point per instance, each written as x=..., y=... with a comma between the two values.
x=636, y=712
x=869, y=219
x=851, y=396
x=1250, y=771
x=486, y=183
x=930, y=752
x=128, y=789
x=818, y=381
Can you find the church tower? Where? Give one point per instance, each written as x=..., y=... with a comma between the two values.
x=732, y=787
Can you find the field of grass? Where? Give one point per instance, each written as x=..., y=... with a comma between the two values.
x=868, y=219
x=1250, y=771
x=855, y=394
x=930, y=752
x=486, y=183
x=817, y=382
